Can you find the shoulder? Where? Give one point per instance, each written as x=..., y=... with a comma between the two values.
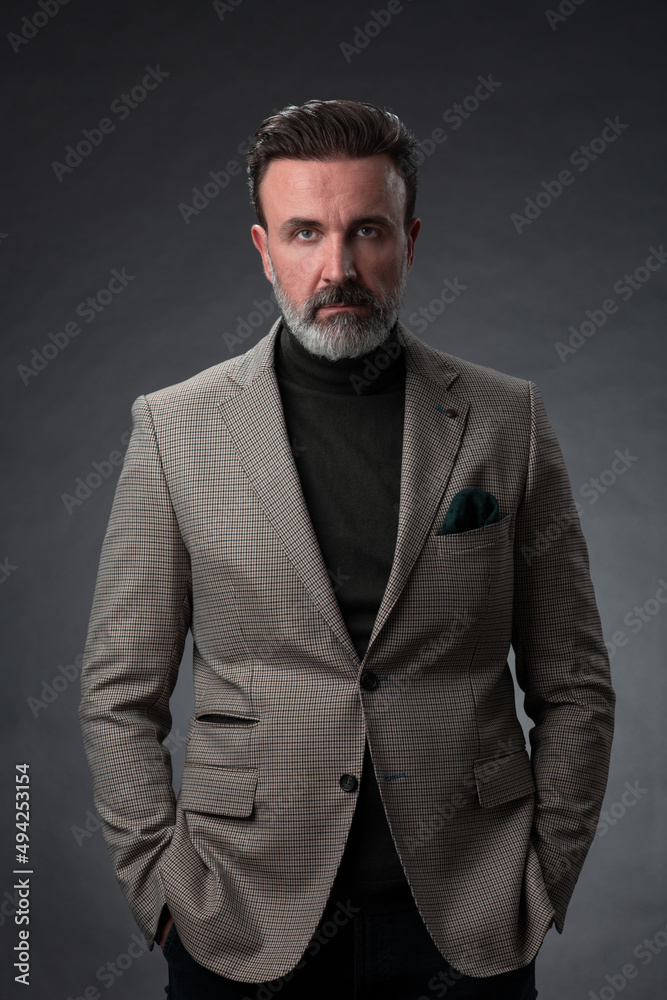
x=474, y=378
x=212, y=382
x=184, y=404
x=474, y=382
x=215, y=384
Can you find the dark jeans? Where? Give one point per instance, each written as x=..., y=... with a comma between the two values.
x=388, y=956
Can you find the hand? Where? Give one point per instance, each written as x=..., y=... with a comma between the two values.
x=165, y=931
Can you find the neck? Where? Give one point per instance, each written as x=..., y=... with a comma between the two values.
x=380, y=370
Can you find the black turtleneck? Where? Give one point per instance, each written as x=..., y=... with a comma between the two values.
x=344, y=420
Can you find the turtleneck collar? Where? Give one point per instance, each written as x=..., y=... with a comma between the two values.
x=380, y=370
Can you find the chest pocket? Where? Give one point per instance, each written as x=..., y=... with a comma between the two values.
x=454, y=575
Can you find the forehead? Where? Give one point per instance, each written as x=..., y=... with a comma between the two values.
x=368, y=185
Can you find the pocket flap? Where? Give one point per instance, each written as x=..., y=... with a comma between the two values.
x=221, y=791
x=502, y=779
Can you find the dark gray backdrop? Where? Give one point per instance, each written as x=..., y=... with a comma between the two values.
x=554, y=78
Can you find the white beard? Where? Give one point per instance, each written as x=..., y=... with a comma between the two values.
x=344, y=334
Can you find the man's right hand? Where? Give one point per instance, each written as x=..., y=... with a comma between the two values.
x=165, y=931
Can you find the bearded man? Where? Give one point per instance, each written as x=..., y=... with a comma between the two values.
x=355, y=527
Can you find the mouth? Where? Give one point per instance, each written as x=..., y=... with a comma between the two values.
x=341, y=305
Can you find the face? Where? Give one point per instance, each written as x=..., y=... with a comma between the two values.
x=336, y=250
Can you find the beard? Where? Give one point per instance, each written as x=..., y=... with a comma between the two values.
x=344, y=334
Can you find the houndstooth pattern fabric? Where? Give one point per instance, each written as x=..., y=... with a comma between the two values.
x=209, y=531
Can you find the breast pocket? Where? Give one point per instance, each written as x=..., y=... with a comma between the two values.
x=454, y=576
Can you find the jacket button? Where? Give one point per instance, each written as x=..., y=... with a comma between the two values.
x=450, y=413
x=369, y=680
x=347, y=782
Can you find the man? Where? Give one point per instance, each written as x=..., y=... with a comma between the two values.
x=355, y=527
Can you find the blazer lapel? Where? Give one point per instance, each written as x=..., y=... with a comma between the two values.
x=435, y=421
x=255, y=421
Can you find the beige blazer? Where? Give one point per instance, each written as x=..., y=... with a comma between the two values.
x=210, y=532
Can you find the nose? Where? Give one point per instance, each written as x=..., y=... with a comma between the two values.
x=338, y=262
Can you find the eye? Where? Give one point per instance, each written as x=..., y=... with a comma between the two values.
x=302, y=231
x=367, y=230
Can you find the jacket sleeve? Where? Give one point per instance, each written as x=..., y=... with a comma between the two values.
x=562, y=665
x=139, y=621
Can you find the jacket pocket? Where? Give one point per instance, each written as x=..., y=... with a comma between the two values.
x=475, y=538
x=218, y=791
x=226, y=720
x=448, y=592
x=503, y=779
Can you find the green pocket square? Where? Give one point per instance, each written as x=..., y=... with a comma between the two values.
x=470, y=508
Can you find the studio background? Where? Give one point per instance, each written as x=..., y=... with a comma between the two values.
x=187, y=292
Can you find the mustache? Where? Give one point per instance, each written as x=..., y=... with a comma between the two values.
x=348, y=295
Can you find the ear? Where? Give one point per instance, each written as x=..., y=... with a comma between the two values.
x=412, y=232
x=260, y=239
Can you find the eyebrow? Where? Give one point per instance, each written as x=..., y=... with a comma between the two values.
x=298, y=222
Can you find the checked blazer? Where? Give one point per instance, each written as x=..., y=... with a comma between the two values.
x=210, y=532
